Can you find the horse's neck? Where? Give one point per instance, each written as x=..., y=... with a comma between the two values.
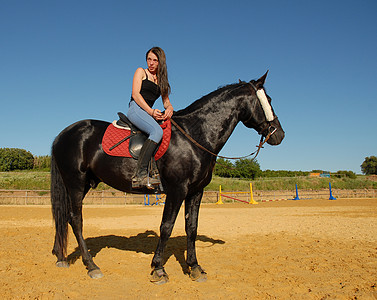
x=212, y=123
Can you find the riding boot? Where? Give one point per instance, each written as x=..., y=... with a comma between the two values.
x=141, y=177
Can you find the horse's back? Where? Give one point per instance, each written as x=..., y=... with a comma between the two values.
x=78, y=138
x=81, y=130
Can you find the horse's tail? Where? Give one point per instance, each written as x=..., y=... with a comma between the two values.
x=60, y=210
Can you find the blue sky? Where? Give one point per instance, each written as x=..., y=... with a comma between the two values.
x=64, y=61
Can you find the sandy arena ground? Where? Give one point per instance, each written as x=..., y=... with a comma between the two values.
x=307, y=249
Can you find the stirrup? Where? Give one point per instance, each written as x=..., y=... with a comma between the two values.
x=145, y=181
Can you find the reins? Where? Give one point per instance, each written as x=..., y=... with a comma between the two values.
x=256, y=152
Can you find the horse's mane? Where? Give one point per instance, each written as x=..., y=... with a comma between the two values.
x=198, y=104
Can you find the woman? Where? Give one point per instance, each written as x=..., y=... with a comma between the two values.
x=148, y=85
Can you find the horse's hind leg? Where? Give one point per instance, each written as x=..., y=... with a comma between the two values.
x=77, y=227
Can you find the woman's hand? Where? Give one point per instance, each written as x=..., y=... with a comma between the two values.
x=168, y=113
x=157, y=114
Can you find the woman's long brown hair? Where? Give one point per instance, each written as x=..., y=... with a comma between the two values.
x=162, y=71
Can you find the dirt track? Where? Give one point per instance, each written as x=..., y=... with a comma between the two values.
x=308, y=249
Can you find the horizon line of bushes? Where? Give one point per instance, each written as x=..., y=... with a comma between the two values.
x=12, y=159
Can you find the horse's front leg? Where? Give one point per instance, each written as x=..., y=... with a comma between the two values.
x=171, y=209
x=192, y=205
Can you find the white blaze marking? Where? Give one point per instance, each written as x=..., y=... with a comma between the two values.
x=265, y=105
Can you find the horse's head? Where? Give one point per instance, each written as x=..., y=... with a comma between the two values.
x=259, y=114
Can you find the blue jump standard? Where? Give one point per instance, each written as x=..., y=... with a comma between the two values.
x=296, y=198
x=331, y=196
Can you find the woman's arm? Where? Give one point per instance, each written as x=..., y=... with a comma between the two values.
x=168, y=108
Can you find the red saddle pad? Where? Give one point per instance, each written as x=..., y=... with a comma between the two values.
x=114, y=135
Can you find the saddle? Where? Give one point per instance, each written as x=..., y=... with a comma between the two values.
x=124, y=139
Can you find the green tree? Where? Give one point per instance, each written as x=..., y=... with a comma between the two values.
x=15, y=159
x=369, y=166
x=42, y=162
x=224, y=168
x=248, y=168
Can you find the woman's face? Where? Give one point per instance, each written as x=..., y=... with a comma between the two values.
x=152, y=61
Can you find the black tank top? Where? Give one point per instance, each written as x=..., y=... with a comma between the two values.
x=149, y=90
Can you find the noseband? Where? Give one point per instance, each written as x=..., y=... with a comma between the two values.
x=268, y=129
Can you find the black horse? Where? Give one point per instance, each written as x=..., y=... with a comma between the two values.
x=79, y=163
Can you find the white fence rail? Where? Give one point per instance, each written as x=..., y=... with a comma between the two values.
x=114, y=197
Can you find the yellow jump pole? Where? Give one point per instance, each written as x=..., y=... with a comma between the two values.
x=219, y=201
x=252, y=201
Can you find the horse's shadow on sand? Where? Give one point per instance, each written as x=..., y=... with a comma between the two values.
x=143, y=242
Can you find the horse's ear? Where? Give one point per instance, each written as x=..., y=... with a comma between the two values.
x=239, y=81
x=260, y=81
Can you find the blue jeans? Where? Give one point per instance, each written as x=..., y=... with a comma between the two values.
x=141, y=119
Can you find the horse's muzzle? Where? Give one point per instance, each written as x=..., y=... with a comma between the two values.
x=274, y=133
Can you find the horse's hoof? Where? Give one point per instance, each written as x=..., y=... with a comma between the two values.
x=198, y=274
x=159, y=276
x=95, y=274
x=62, y=264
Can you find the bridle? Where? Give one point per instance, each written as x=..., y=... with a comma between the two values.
x=270, y=128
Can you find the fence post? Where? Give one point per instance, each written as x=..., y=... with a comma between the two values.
x=25, y=197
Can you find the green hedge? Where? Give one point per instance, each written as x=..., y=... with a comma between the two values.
x=15, y=159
